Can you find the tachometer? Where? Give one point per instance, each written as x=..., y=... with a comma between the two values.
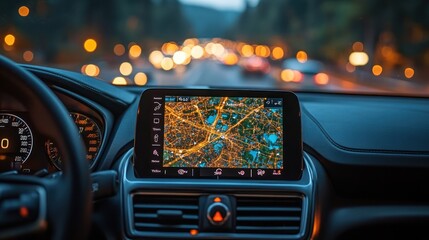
x=16, y=141
x=91, y=135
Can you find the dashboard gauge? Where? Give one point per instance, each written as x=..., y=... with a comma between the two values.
x=16, y=142
x=90, y=133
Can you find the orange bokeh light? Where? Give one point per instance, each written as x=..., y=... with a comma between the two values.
x=289, y=75
x=277, y=53
x=28, y=56
x=377, y=70
x=262, y=51
x=409, y=72
x=321, y=79
x=140, y=79
x=23, y=11
x=135, y=51
x=119, y=49
x=301, y=56
x=9, y=39
x=247, y=50
x=91, y=70
x=90, y=45
x=169, y=48
x=230, y=59
x=357, y=47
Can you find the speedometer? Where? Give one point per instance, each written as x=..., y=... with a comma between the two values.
x=90, y=133
x=16, y=141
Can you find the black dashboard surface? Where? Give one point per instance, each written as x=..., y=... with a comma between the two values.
x=367, y=130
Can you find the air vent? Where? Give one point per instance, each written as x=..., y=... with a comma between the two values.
x=268, y=215
x=165, y=213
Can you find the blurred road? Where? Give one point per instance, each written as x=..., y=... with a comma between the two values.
x=214, y=74
x=200, y=73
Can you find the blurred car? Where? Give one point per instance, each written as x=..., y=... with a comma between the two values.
x=255, y=65
x=307, y=72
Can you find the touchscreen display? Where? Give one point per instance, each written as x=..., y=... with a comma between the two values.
x=216, y=136
x=223, y=132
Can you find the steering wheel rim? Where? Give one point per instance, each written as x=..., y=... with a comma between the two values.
x=68, y=196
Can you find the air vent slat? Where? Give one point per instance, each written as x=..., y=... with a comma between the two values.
x=253, y=229
x=159, y=206
x=264, y=209
x=151, y=213
x=162, y=226
x=144, y=215
x=268, y=219
x=269, y=215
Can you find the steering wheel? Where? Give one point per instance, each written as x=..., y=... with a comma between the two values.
x=57, y=207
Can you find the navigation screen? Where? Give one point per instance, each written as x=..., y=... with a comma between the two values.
x=223, y=132
x=218, y=134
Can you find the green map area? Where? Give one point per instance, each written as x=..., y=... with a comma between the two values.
x=222, y=132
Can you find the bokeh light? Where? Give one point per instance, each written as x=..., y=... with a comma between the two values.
x=247, y=50
x=197, y=52
x=126, y=68
x=277, y=53
x=321, y=79
x=155, y=58
x=180, y=57
x=301, y=56
x=262, y=51
x=23, y=11
x=167, y=64
x=358, y=58
x=90, y=45
x=230, y=59
x=409, y=72
x=357, y=47
x=217, y=49
x=135, y=51
x=169, y=48
x=91, y=70
x=119, y=81
x=289, y=75
x=140, y=79
x=377, y=70
x=350, y=68
x=9, y=39
x=119, y=49
x=28, y=56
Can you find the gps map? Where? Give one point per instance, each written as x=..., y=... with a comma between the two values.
x=223, y=132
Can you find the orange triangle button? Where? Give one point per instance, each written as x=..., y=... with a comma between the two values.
x=217, y=217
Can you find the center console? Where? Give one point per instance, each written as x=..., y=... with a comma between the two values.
x=217, y=164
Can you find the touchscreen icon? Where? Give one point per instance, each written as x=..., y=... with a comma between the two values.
x=218, y=172
x=157, y=106
x=156, y=120
x=277, y=172
x=181, y=171
x=156, y=138
x=260, y=172
x=241, y=172
x=155, y=153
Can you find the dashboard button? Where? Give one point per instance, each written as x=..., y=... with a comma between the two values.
x=218, y=213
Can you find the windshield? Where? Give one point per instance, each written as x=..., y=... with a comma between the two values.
x=318, y=45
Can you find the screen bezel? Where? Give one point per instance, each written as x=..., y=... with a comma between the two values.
x=292, y=150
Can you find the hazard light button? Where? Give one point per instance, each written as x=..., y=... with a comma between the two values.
x=218, y=213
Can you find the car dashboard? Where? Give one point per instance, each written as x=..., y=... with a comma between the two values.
x=365, y=165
